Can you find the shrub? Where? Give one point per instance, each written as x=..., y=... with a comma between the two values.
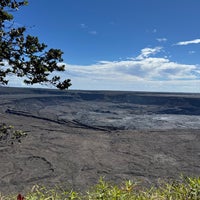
x=9, y=134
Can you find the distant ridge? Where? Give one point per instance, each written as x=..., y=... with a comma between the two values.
x=8, y=90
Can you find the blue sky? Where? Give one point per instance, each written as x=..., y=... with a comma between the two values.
x=136, y=45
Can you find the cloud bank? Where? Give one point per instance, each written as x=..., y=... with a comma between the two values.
x=145, y=72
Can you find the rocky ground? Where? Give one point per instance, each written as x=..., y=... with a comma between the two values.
x=75, y=137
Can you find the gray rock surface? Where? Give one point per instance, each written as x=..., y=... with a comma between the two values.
x=78, y=136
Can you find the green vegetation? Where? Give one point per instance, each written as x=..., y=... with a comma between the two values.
x=187, y=189
x=9, y=134
x=23, y=55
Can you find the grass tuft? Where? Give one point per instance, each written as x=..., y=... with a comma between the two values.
x=186, y=189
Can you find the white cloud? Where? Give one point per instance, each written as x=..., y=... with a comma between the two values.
x=142, y=73
x=146, y=52
x=87, y=29
x=196, y=41
x=19, y=82
x=161, y=39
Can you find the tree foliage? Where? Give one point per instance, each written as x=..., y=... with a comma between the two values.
x=23, y=55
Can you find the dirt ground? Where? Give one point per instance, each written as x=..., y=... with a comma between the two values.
x=68, y=142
